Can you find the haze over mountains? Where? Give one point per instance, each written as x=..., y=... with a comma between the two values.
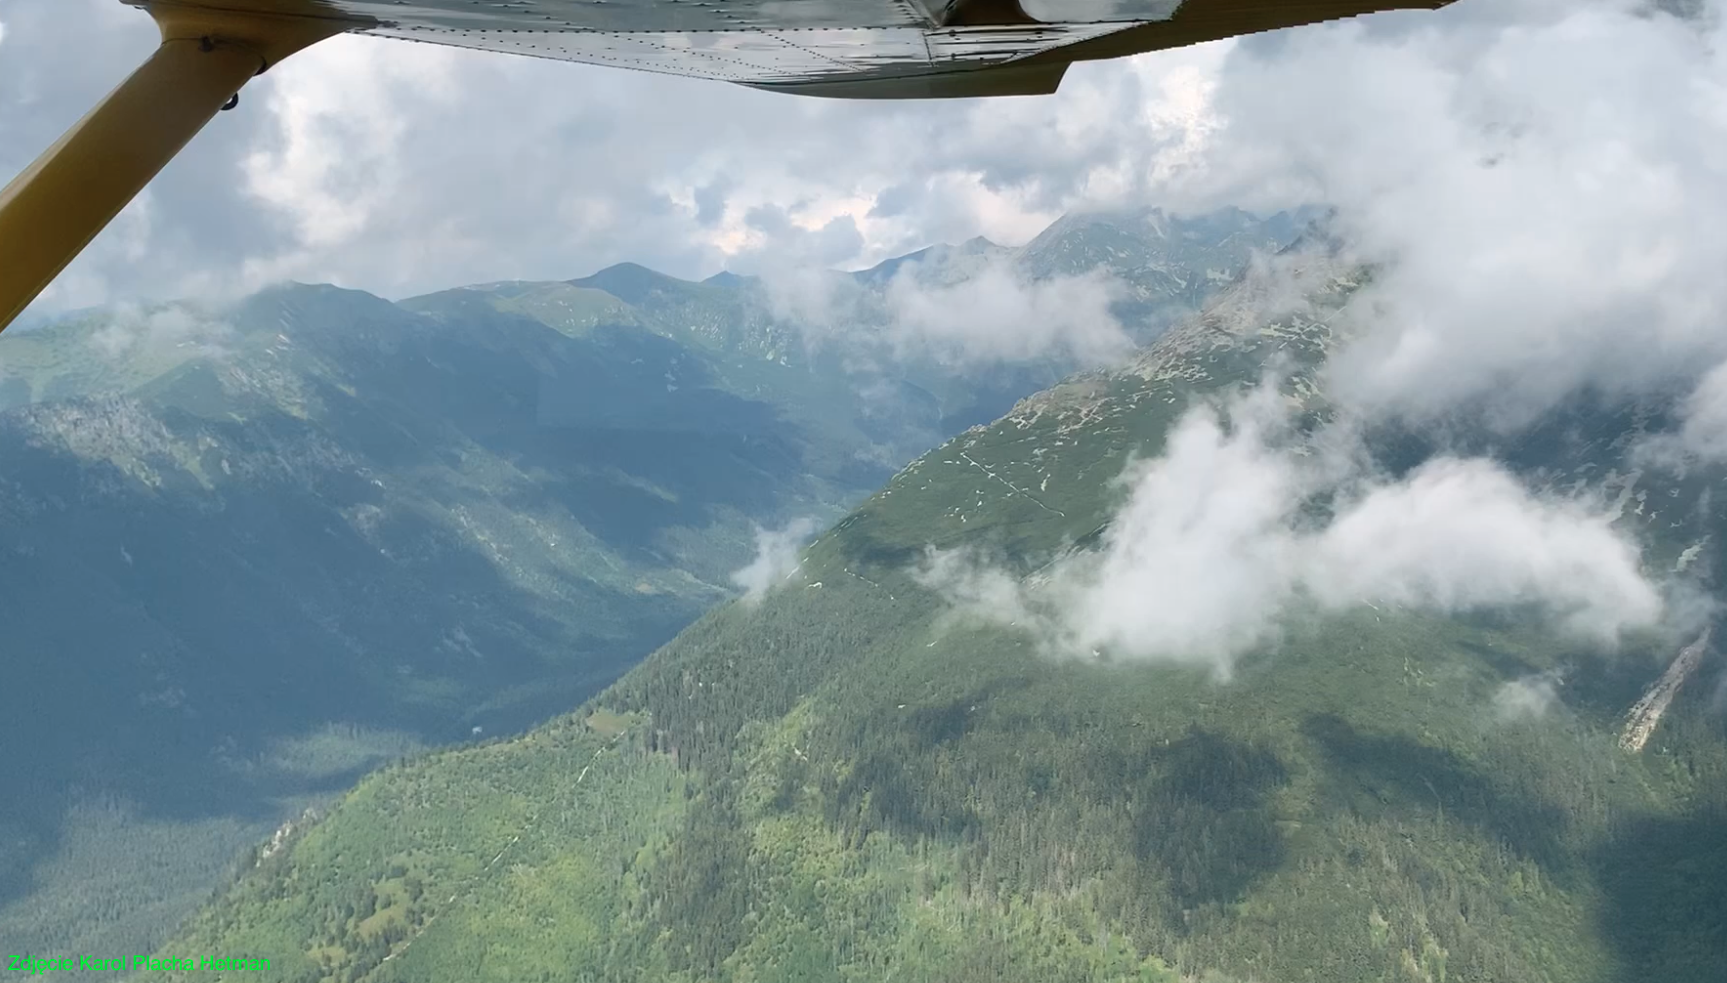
x=1364, y=711
x=1225, y=663
x=256, y=550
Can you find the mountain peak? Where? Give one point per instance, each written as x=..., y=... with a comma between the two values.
x=729, y=280
x=630, y=282
x=936, y=257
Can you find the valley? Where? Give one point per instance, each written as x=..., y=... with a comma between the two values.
x=258, y=550
x=893, y=767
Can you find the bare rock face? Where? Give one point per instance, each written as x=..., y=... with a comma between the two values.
x=1645, y=715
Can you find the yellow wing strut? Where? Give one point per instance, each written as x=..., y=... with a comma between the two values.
x=51, y=211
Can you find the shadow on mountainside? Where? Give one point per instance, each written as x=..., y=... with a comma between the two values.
x=1665, y=884
x=165, y=640
x=1377, y=775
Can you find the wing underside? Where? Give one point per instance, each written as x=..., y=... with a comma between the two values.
x=847, y=48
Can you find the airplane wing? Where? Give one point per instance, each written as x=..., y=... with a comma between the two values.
x=867, y=49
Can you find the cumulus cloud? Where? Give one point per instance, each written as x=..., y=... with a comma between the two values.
x=402, y=168
x=776, y=558
x=1539, y=177
x=1460, y=535
x=1213, y=544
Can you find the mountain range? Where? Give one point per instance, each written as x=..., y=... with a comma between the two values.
x=898, y=766
x=258, y=548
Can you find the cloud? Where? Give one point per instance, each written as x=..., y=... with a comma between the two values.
x=1202, y=554
x=1540, y=179
x=776, y=558
x=960, y=312
x=827, y=308
x=998, y=316
x=1528, y=697
x=1459, y=535
x=129, y=329
x=1538, y=175
x=402, y=168
x=1703, y=424
x=1215, y=543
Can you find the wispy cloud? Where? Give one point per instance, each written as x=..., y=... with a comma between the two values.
x=130, y=329
x=1527, y=697
x=990, y=314
x=997, y=315
x=776, y=558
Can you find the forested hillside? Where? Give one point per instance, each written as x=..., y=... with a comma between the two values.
x=912, y=762
x=256, y=549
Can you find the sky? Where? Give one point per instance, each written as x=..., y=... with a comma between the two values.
x=1541, y=182
x=402, y=168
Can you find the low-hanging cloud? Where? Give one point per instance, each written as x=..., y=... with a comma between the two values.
x=1460, y=535
x=130, y=330
x=998, y=315
x=776, y=558
x=1703, y=421
x=1527, y=697
x=989, y=314
x=1213, y=545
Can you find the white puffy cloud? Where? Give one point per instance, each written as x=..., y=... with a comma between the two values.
x=1210, y=548
x=776, y=558
x=1540, y=177
x=1458, y=535
x=1201, y=556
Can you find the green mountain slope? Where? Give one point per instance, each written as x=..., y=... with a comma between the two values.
x=256, y=550
x=848, y=783
x=330, y=533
